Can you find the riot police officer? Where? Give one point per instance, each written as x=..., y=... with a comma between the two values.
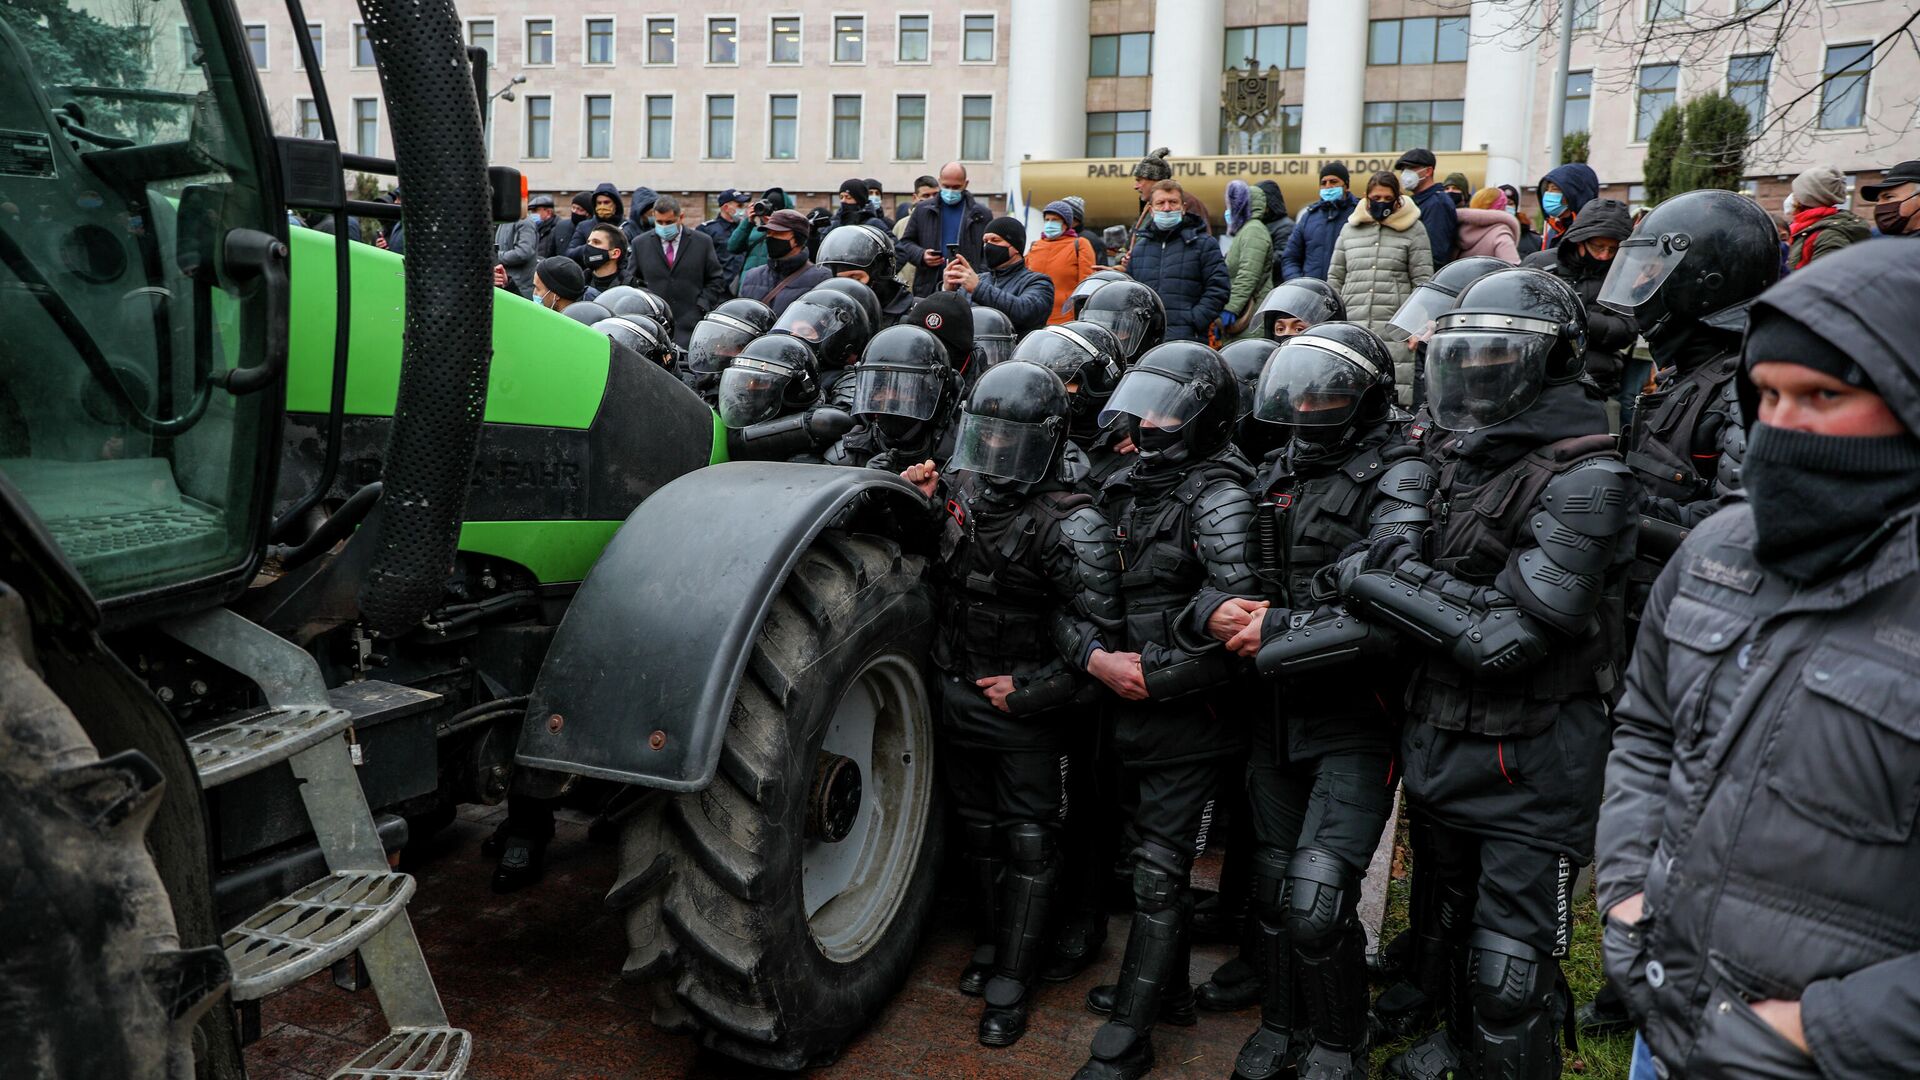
x=1027, y=586
x=837, y=326
x=993, y=338
x=1320, y=777
x=1086, y=356
x=1297, y=304
x=1412, y=325
x=1182, y=512
x=1513, y=602
x=1132, y=311
x=717, y=339
x=867, y=258
x=641, y=334
x=1077, y=299
x=905, y=394
x=769, y=401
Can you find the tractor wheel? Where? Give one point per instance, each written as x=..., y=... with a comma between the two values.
x=96, y=982
x=779, y=909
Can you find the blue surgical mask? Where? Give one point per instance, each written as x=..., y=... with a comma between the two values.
x=1169, y=219
x=951, y=195
x=1052, y=230
x=873, y=201
x=666, y=232
x=1332, y=194
x=1552, y=202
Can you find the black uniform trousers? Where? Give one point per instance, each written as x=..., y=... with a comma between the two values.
x=1336, y=802
x=999, y=786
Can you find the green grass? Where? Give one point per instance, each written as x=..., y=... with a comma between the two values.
x=1601, y=1059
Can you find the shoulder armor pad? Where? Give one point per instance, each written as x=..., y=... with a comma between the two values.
x=1595, y=498
x=1560, y=590
x=1223, y=506
x=1086, y=526
x=1222, y=531
x=1411, y=479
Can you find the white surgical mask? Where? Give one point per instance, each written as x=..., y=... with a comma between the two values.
x=1409, y=178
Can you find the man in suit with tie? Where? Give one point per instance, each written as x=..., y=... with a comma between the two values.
x=681, y=266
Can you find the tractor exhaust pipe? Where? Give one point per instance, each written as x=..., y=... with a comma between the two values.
x=428, y=83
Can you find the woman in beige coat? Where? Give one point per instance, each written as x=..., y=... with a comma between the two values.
x=1382, y=256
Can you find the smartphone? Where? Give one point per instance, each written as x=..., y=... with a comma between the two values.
x=953, y=252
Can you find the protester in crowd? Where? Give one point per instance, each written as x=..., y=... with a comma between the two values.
x=639, y=215
x=1582, y=261
x=1821, y=223
x=558, y=282
x=1009, y=286
x=954, y=218
x=572, y=228
x=1176, y=258
x=1249, y=262
x=788, y=272
x=608, y=209
x=854, y=207
x=1530, y=241
x=541, y=207
x=1310, y=246
x=1458, y=188
x=877, y=204
x=1563, y=191
x=605, y=258
x=1063, y=255
x=513, y=250
x=732, y=207
x=1757, y=843
x=1279, y=223
x=924, y=188
x=1896, y=200
x=1437, y=212
x=1092, y=236
x=1151, y=170
x=393, y=236
x=680, y=266
x=1381, y=258
x=1488, y=228
x=749, y=239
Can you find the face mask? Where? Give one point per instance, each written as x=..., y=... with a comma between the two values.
x=993, y=255
x=1380, y=211
x=580, y=215
x=1552, y=202
x=604, y=213
x=596, y=258
x=1052, y=230
x=873, y=201
x=1158, y=444
x=1889, y=218
x=777, y=248
x=730, y=212
x=951, y=196
x=1818, y=499
x=1168, y=219
x=1332, y=194
x=1409, y=178
x=666, y=232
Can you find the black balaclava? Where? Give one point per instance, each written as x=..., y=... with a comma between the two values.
x=1688, y=343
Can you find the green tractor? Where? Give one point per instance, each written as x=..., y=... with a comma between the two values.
x=303, y=544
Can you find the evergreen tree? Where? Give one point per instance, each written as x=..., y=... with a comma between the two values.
x=1662, y=147
x=1574, y=147
x=1713, y=151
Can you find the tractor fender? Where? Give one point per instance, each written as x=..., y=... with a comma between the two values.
x=640, y=680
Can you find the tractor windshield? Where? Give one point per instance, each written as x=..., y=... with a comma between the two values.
x=126, y=175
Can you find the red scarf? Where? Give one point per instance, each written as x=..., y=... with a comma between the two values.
x=1800, y=231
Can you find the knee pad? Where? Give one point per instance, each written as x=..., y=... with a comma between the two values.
x=980, y=839
x=1030, y=846
x=1508, y=978
x=1159, y=876
x=1270, y=883
x=1321, y=896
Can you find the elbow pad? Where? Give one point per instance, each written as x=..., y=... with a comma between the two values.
x=1173, y=674
x=1052, y=692
x=1493, y=636
x=1324, y=637
x=1403, y=507
x=782, y=438
x=1223, y=528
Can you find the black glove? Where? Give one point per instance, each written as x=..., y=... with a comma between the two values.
x=1384, y=553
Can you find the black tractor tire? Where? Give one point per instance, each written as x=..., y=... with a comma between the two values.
x=714, y=878
x=94, y=981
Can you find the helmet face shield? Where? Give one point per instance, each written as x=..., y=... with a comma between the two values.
x=1003, y=449
x=1416, y=317
x=812, y=323
x=1640, y=268
x=881, y=390
x=1291, y=301
x=1128, y=326
x=1480, y=377
x=715, y=341
x=1307, y=384
x=1155, y=399
x=993, y=350
x=751, y=392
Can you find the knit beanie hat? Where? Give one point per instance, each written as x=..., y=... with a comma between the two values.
x=1339, y=169
x=1010, y=230
x=1774, y=335
x=1457, y=180
x=562, y=277
x=856, y=188
x=1068, y=215
x=949, y=317
x=1822, y=185
x=1079, y=208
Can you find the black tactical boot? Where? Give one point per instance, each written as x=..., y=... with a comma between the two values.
x=1032, y=876
x=523, y=860
x=1176, y=1003
x=1432, y=1058
x=1076, y=947
x=1270, y=1052
x=1123, y=1047
x=983, y=893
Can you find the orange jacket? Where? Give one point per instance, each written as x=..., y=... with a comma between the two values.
x=1068, y=261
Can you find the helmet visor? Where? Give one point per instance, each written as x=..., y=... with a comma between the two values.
x=715, y=343
x=1639, y=270
x=1002, y=449
x=812, y=323
x=1297, y=302
x=1416, y=317
x=993, y=350
x=1154, y=398
x=1078, y=298
x=1129, y=327
x=751, y=392
x=1308, y=386
x=1478, y=378
x=889, y=391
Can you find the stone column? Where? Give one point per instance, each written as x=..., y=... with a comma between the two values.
x=1189, y=42
x=1046, y=109
x=1336, y=79
x=1502, y=54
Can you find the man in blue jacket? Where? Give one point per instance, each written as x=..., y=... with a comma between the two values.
x=1437, y=211
x=1176, y=258
x=953, y=218
x=1023, y=295
x=1309, y=249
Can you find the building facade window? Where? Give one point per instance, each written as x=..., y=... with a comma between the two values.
x=723, y=41
x=1659, y=83
x=784, y=45
x=846, y=127
x=1666, y=10
x=540, y=42
x=1281, y=45
x=598, y=117
x=1117, y=134
x=976, y=128
x=1586, y=14
x=1282, y=136
x=480, y=35
x=659, y=126
x=976, y=39
x=1843, y=94
x=910, y=127
x=317, y=34
x=189, y=47
x=599, y=41
x=1417, y=41
x=1747, y=78
x=366, y=126
x=257, y=45
x=1124, y=55
x=849, y=39
x=1578, y=112
x=915, y=36
x=362, y=46
x=1387, y=126
x=720, y=127
x=539, y=127
x=659, y=41
x=783, y=126
x=307, y=115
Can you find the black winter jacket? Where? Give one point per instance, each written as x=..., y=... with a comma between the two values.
x=1185, y=267
x=1610, y=335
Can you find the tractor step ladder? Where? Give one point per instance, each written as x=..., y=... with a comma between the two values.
x=360, y=905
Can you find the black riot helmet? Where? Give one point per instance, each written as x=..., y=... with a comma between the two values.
x=586, y=311
x=1436, y=297
x=1013, y=428
x=722, y=333
x=1310, y=300
x=857, y=247
x=1247, y=358
x=1319, y=382
x=628, y=300
x=1512, y=334
x=1089, y=284
x=834, y=324
x=1700, y=256
x=1086, y=357
x=861, y=294
x=1132, y=311
x=642, y=335
x=904, y=388
x=1181, y=398
x=993, y=338
x=773, y=376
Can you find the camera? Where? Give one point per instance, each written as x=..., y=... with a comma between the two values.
x=762, y=209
